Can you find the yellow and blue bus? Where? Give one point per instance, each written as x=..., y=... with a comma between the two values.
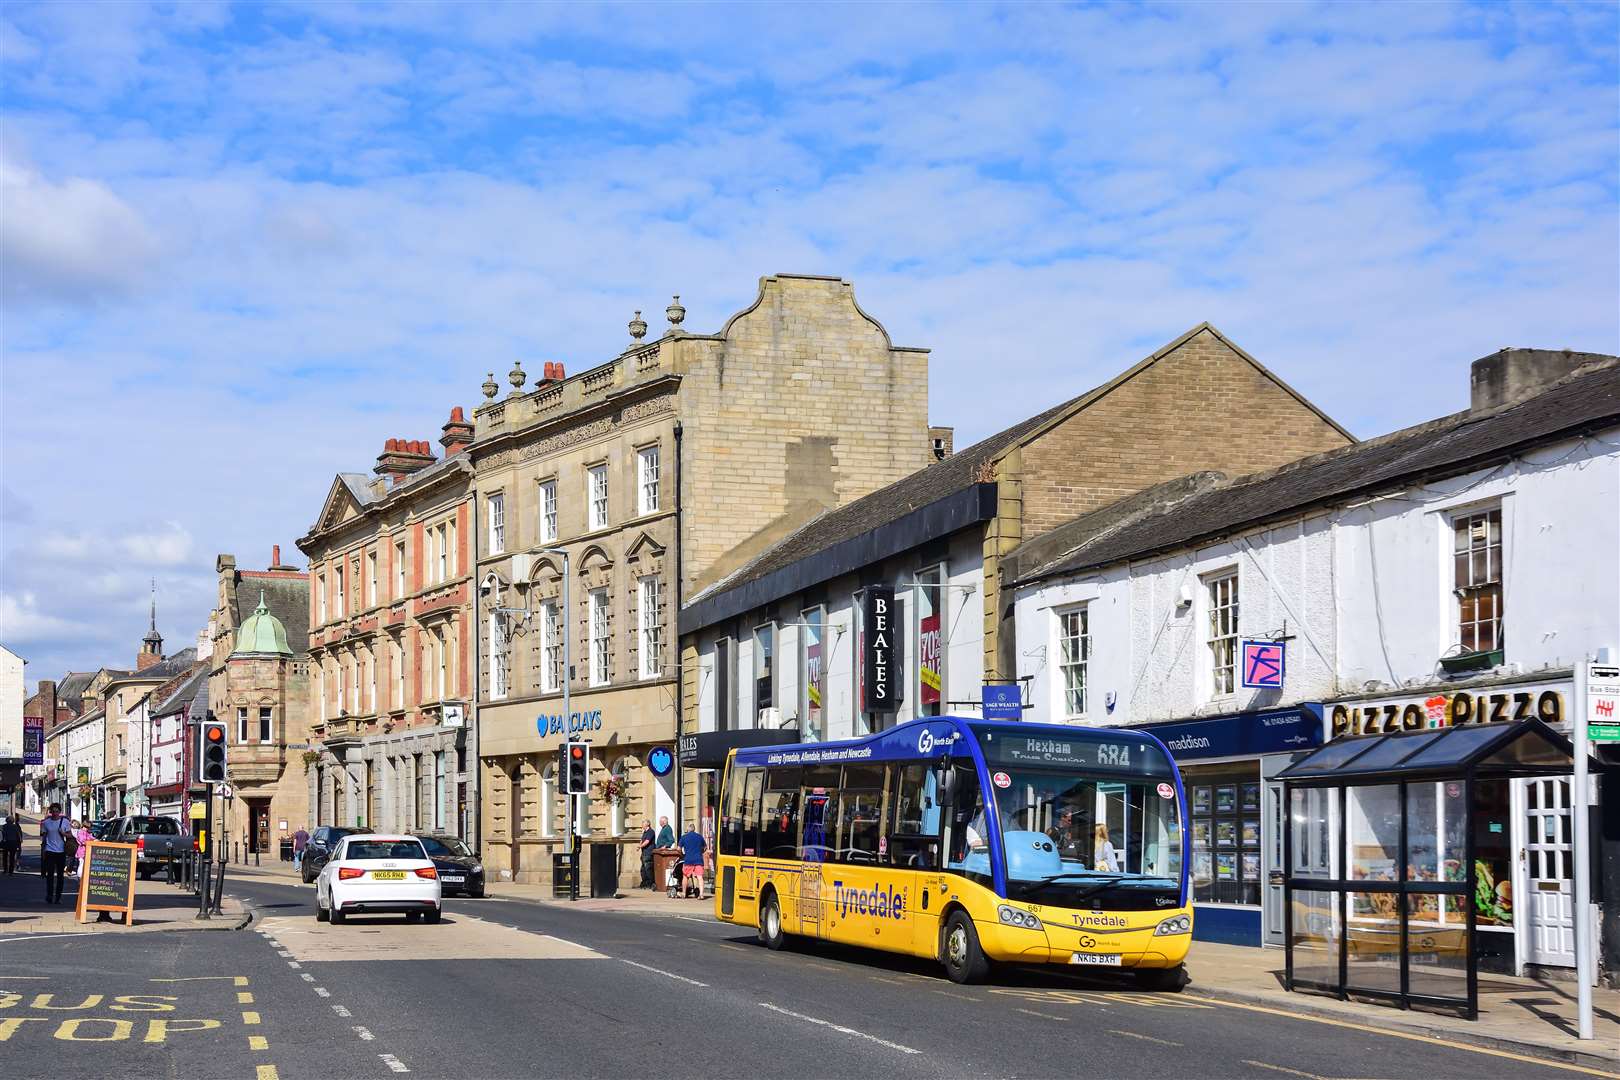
x=972, y=842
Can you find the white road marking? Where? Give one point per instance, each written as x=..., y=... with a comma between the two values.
x=306, y=976
x=364, y=1033
x=1144, y=1038
x=283, y=953
x=342, y=1011
x=293, y=964
x=394, y=1063
x=666, y=974
x=323, y=991
x=841, y=1029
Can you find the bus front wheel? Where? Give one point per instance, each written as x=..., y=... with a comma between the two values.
x=770, y=923
x=1168, y=980
x=964, y=961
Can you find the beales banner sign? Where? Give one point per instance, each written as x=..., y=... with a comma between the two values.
x=1547, y=702
x=881, y=646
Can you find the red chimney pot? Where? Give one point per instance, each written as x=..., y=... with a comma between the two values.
x=275, y=555
x=456, y=415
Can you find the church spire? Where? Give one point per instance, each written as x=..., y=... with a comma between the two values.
x=152, y=644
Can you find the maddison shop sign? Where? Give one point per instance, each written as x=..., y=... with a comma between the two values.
x=1246, y=734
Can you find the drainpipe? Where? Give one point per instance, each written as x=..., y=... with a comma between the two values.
x=680, y=666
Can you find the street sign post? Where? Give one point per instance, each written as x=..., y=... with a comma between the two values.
x=1597, y=696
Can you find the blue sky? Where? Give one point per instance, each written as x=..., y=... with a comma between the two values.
x=241, y=246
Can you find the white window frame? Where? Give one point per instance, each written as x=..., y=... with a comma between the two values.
x=1069, y=662
x=546, y=508
x=495, y=510
x=267, y=724
x=320, y=596
x=812, y=619
x=342, y=685
x=762, y=632
x=596, y=496
x=601, y=636
x=649, y=631
x=1222, y=610
x=371, y=578
x=499, y=661
x=548, y=801
x=399, y=569
x=442, y=643
x=320, y=689
x=399, y=673
x=551, y=650
x=647, y=480
x=337, y=592
x=241, y=725
x=442, y=539
x=1464, y=516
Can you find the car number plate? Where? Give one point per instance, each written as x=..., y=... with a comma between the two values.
x=1099, y=959
x=388, y=875
x=454, y=877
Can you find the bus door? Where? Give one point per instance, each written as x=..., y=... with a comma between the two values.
x=748, y=811
x=911, y=848
x=814, y=846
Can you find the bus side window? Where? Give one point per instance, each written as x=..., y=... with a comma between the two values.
x=779, y=815
x=913, y=819
x=820, y=813
x=862, y=814
x=730, y=842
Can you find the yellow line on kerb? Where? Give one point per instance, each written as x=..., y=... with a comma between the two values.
x=267, y=1072
x=258, y=1042
x=1414, y=1037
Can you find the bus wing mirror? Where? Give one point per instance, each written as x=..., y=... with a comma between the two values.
x=947, y=785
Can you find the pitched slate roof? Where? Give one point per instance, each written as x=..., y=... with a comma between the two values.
x=287, y=597
x=1462, y=442
x=180, y=698
x=70, y=691
x=954, y=474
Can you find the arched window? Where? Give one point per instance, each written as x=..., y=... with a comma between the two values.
x=616, y=805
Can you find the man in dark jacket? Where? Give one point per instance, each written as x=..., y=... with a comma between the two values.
x=647, y=840
x=10, y=843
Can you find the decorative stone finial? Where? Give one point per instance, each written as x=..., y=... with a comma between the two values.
x=491, y=387
x=638, y=328
x=675, y=313
x=517, y=377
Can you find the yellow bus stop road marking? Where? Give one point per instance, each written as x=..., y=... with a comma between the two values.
x=1415, y=1037
x=244, y=997
x=258, y=1042
x=267, y=1072
x=250, y=1018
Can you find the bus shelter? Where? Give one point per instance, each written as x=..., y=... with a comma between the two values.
x=1398, y=858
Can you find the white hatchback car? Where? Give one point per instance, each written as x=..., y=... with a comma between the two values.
x=372, y=874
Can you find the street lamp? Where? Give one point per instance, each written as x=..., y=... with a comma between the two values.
x=569, y=844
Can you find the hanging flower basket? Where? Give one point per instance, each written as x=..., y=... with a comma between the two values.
x=615, y=789
x=311, y=757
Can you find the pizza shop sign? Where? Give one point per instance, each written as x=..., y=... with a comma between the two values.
x=1486, y=705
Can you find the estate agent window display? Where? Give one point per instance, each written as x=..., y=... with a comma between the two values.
x=1224, y=814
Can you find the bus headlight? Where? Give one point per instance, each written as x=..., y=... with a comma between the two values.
x=1175, y=924
x=1014, y=917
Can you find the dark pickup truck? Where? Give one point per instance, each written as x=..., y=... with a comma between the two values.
x=158, y=840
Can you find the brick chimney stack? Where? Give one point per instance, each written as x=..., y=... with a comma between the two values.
x=401, y=457
x=458, y=433
x=553, y=372
x=275, y=560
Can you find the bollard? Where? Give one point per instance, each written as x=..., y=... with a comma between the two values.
x=219, y=891
x=202, y=892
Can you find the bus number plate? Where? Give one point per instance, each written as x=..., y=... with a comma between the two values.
x=1100, y=959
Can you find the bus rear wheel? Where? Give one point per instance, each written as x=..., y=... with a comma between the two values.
x=964, y=960
x=770, y=923
x=1164, y=980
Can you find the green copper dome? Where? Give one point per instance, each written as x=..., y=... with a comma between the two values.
x=261, y=632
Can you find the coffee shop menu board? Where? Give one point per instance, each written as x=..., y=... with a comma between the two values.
x=107, y=880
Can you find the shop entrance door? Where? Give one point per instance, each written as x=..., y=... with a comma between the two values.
x=1548, y=857
x=1271, y=892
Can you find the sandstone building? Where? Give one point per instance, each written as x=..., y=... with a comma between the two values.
x=644, y=479
x=391, y=641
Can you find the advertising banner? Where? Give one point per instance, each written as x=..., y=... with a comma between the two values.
x=33, y=740
x=881, y=647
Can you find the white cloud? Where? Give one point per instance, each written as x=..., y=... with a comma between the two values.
x=73, y=240
x=22, y=623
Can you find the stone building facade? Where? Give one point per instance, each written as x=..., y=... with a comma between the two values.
x=258, y=686
x=391, y=641
x=657, y=472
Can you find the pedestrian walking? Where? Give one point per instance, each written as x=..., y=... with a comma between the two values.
x=692, y=849
x=666, y=835
x=648, y=839
x=54, y=833
x=300, y=842
x=10, y=843
x=81, y=844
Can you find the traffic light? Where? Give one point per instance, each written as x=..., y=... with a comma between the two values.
x=576, y=768
x=210, y=757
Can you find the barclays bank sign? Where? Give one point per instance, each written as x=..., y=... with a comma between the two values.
x=577, y=723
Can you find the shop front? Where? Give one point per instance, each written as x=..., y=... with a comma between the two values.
x=525, y=813
x=703, y=763
x=1524, y=855
x=1234, y=809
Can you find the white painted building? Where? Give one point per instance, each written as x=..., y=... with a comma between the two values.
x=83, y=743
x=12, y=693
x=1449, y=573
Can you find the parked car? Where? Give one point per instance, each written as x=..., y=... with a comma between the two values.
x=460, y=869
x=319, y=849
x=98, y=829
x=158, y=840
x=372, y=874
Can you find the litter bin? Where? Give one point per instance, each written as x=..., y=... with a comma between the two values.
x=604, y=871
x=663, y=859
x=286, y=850
x=562, y=875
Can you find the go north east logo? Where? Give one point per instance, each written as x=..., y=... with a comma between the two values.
x=884, y=903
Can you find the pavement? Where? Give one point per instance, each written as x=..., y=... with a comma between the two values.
x=508, y=987
x=158, y=906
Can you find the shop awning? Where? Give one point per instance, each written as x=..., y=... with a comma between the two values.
x=1523, y=748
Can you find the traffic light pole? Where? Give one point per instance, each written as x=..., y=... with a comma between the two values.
x=205, y=857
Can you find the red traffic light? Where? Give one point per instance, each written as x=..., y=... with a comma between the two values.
x=576, y=751
x=214, y=733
